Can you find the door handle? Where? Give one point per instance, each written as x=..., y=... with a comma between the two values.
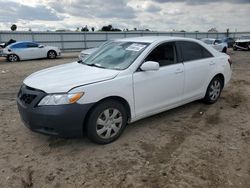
x=177, y=71
x=212, y=63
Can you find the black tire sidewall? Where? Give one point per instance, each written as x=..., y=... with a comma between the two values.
x=207, y=98
x=94, y=114
x=50, y=52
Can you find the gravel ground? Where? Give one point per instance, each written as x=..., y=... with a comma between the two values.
x=195, y=145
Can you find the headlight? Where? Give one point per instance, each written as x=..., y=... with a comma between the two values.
x=59, y=99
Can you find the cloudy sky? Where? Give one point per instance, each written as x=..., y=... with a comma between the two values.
x=160, y=15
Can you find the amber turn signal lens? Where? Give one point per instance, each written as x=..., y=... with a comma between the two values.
x=75, y=97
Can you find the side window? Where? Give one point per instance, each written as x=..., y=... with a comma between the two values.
x=19, y=45
x=190, y=51
x=32, y=45
x=164, y=54
x=206, y=53
x=193, y=51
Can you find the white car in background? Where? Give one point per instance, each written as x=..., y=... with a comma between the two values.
x=29, y=50
x=122, y=82
x=243, y=43
x=217, y=44
x=85, y=53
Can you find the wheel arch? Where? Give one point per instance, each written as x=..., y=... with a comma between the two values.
x=221, y=76
x=123, y=101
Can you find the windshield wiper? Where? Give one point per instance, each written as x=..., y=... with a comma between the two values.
x=96, y=65
x=91, y=65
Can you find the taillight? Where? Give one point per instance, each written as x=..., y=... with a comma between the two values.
x=230, y=61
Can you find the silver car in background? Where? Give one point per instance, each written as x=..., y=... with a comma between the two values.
x=217, y=44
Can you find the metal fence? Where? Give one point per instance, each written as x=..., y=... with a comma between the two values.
x=82, y=40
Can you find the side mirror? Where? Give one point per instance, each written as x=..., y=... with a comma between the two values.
x=41, y=46
x=150, y=66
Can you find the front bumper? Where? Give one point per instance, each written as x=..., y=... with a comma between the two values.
x=242, y=45
x=2, y=54
x=61, y=120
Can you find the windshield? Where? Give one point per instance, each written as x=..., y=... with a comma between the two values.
x=116, y=55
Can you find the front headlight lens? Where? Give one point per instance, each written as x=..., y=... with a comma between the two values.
x=60, y=99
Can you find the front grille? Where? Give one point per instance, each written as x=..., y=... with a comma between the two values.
x=242, y=44
x=27, y=98
x=27, y=94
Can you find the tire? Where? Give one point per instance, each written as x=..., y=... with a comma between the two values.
x=213, y=90
x=13, y=58
x=224, y=50
x=234, y=48
x=106, y=122
x=51, y=54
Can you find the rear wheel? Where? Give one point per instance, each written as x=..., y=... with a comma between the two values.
x=13, y=58
x=213, y=91
x=51, y=54
x=106, y=122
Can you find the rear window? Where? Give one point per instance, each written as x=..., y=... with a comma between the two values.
x=193, y=51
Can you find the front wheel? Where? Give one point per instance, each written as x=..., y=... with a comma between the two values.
x=51, y=54
x=106, y=122
x=13, y=58
x=213, y=91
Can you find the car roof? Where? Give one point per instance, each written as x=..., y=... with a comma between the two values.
x=20, y=42
x=152, y=39
x=209, y=39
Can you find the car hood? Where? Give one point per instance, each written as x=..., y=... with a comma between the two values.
x=63, y=78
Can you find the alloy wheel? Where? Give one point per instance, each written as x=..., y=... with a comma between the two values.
x=109, y=123
x=52, y=55
x=13, y=58
x=215, y=89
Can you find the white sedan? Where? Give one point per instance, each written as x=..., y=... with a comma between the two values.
x=29, y=50
x=122, y=82
x=85, y=53
x=217, y=44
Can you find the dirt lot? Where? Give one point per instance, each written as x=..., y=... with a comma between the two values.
x=195, y=145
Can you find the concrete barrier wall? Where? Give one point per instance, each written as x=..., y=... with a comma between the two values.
x=82, y=40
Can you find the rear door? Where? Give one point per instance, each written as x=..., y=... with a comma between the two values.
x=198, y=65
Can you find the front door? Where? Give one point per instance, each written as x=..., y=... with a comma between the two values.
x=156, y=90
